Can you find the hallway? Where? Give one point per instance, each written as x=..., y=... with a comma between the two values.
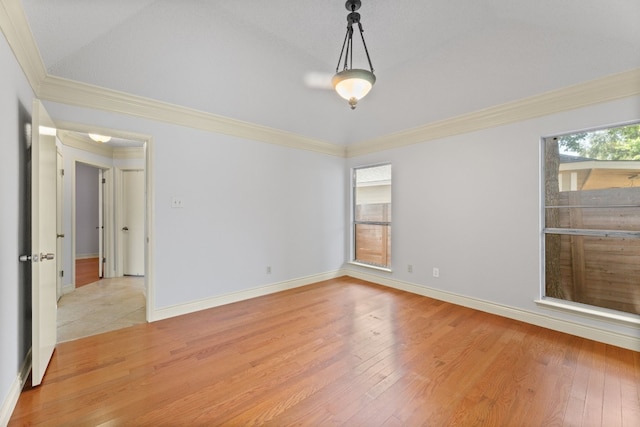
x=102, y=306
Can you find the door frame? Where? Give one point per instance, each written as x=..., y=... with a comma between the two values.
x=108, y=213
x=148, y=148
x=59, y=222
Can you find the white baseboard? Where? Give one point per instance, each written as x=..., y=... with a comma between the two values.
x=556, y=324
x=68, y=288
x=86, y=256
x=10, y=402
x=191, y=307
x=560, y=325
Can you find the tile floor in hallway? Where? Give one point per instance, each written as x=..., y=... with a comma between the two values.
x=103, y=306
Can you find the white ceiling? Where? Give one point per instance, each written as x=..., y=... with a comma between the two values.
x=246, y=60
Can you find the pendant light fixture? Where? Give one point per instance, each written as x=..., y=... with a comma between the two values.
x=353, y=84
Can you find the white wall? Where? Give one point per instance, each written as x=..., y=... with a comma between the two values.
x=15, y=295
x=247, y=205
x=470, y=206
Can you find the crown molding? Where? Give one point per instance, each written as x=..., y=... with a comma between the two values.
x=71, y=140
x=58, y=89
x=15, y=27
x=605, y=89
x=83, y=128
x=128, y=153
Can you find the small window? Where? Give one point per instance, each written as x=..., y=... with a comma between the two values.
x=592, y=218
x=372, y=215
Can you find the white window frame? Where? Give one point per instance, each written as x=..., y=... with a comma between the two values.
x=353, y=221
x=561, y=305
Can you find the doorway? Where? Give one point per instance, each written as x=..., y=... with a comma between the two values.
x=110, y=301
x=89, y=254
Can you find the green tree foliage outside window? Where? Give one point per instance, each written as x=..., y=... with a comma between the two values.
x=620, y=143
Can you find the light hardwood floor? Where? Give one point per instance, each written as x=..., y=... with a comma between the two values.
x=341, y=352
x=86, y=271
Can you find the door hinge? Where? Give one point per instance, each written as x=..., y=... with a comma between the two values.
x=104, y=260
x=104, y=180
x=61, y=273
x=61, y=172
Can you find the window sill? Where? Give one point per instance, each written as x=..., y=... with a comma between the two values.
x=589, y=311
x=373, y=267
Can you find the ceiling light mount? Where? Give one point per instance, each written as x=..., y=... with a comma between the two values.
x=353, y=84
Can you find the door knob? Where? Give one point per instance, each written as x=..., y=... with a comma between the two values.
x=60, y=236
x=125, y=228
x=24, y=258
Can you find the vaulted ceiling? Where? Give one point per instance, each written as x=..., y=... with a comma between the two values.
x=246, y=60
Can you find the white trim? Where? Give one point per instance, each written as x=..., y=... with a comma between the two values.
x=11, y=400
x=605, y=89
x=68, y=288
x=86, y=256
x=15, y=27
x=58, y=89
x=128, y=153
x=70, y=140
x=569, y=327
x=371, y=266
x=150, y=231
x=590, y=312
x=203, y=304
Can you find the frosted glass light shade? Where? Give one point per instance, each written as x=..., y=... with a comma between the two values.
x=99, y=138
x=353, y=85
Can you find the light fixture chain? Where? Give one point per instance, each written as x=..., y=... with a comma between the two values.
x=353, y=84
x=365, y=45
x=344, y=43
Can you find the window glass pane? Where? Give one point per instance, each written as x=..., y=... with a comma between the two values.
x=592, y=187
x=372, y=194
x=373, y=244
x=372, y=215
x=600, y=218
x=599, y=271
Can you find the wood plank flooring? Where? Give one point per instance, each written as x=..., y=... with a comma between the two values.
x=86, y=271
x=340, y=352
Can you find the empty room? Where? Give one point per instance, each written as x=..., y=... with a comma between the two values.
x=363, y=213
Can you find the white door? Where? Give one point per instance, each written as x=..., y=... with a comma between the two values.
x=100, y=224
x=133, y=222
x=43, y=242
x=59, y=224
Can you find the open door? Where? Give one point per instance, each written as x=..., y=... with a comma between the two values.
x=43, y=240
x=133, y=221
x=101, y=182
x=59, y=224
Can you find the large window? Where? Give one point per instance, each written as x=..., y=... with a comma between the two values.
x=592, y=218
x=372, y=215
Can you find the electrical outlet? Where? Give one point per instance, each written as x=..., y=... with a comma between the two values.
x=268, y=269
x=410, y=268
x=176, y=202
x=436, y=272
